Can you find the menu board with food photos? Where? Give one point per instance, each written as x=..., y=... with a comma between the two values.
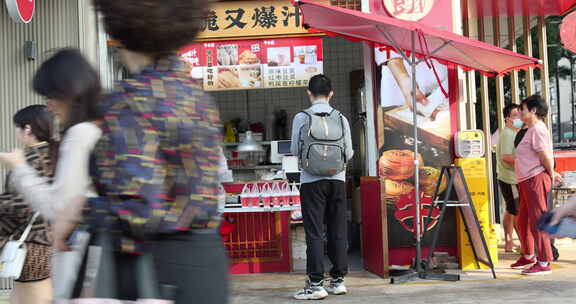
x=255, y=64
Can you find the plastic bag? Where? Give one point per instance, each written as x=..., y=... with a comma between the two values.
x=295, y=195
x=254, y=196
x=276, y=195
x=266, y=195
x=245, y=196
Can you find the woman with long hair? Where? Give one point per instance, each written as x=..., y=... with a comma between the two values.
x=34, y=132
x=72, y=89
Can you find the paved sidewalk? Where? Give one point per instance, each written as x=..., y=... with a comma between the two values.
x=476, y=286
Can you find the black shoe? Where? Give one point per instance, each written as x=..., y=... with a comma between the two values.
x=555, y=253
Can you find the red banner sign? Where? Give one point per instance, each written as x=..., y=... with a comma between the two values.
x=255, y=64
x=21, y=11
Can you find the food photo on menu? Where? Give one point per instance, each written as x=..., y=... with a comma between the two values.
x=227, y=54
x=251, y=76
x=228, y=78
x=279, y=56
x=249, y=57
x=305, y=54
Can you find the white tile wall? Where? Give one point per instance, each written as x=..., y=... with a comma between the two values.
x=340, y=58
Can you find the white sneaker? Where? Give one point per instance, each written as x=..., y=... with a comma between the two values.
x=312, y=291
x=337, y=287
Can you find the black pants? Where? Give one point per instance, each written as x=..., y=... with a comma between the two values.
x=195, y=264
x=324, y=202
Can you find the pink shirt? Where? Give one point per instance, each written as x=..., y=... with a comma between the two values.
x=537, y=139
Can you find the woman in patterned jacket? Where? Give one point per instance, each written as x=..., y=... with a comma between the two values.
x=34, y=132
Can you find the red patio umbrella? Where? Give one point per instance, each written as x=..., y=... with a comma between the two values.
x=446, y=47
x=422, y=43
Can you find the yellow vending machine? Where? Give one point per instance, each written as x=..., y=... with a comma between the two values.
x=470, y=157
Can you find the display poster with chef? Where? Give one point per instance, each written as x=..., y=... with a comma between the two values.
x=255, y=64
x=396, y=160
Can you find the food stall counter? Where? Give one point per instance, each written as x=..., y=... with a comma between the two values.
x=258, y=240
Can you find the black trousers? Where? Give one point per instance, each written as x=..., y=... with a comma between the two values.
x=324, y=202
x=194, y=264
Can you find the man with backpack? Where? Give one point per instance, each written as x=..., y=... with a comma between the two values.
x=321, y=140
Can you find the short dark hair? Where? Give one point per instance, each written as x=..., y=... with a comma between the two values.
x=39, y=120
x=153, y=27
x=535, y=102
x=320, y=85
x=509, y=108
x=69, y=77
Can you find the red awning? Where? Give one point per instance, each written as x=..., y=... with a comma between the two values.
x=448, y=48
x=503, y=8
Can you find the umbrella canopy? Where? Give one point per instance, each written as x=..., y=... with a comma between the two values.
x=508, y=8
x=446, y=47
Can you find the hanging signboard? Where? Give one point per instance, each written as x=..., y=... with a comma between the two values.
x=21, y=11
x=233, y=19
x=255, y=64
x=412, y=10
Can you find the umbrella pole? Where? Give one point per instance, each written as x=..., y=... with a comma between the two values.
x=416, y=160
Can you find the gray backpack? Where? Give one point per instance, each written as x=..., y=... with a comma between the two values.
x=322, y=145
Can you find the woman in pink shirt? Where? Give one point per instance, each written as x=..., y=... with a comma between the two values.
x=535, y=173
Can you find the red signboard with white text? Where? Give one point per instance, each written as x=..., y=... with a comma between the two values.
x=21, y=11
x=255, y=64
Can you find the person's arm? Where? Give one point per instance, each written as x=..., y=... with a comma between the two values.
x=509, y=159
x=297, y=123
x=348, y=140
x=547, y=161
x=404, y=81
x=71, y=180
x=11, y=202
x=566, y=210
x=541, y=144
x=506, y=146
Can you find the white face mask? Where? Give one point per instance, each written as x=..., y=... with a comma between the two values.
x=518, y=123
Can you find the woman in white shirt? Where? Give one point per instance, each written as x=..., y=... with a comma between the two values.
x=72, y=89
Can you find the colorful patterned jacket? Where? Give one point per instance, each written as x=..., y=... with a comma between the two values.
x=156, y=165
x=15, y=214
